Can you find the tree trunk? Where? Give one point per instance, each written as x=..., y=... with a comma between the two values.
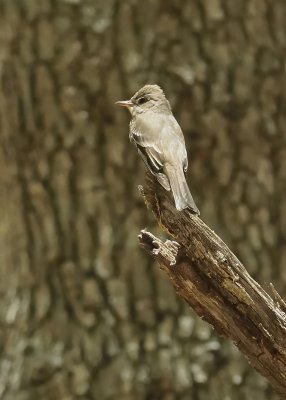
x=84, y=314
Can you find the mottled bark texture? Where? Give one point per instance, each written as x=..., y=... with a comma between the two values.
x=217, y=286
x=84, y=314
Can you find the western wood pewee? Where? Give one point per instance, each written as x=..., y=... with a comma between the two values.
x=160, y=142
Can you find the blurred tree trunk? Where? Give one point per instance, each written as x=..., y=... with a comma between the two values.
x=83, y=313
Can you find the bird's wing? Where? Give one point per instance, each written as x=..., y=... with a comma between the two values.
x=148, y=150
x=159, y=139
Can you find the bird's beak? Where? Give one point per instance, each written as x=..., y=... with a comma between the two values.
x=125, y=103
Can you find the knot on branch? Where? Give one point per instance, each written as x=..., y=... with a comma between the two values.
x=156, y=247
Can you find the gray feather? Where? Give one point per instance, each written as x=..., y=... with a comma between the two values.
x=163, y=180
x=182, y=195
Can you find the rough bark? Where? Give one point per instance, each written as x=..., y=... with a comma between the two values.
x=217, y=286
x=83, y=312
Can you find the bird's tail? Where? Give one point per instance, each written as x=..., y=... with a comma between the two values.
x=182, y=195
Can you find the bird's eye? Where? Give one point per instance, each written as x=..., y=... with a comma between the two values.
x=142, y=100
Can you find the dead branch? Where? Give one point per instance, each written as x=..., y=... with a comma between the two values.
x=218, y=287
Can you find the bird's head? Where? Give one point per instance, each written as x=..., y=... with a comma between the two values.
x=148, y=98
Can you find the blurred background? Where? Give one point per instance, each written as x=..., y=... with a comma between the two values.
x=84, y=312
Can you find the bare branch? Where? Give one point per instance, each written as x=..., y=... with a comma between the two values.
x=217, y=286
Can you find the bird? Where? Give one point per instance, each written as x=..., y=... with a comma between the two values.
x=160, y=142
